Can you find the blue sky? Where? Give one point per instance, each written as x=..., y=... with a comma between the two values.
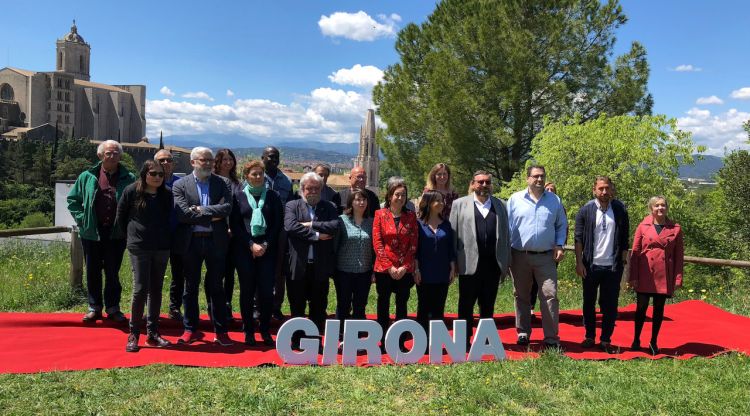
x=305, y=69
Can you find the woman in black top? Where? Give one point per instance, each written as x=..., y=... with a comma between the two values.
x=143, y=211
x=225, y=165
x=256, y=222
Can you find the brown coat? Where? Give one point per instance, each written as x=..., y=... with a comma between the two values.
x=657, y=259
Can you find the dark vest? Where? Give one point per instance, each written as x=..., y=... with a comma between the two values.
x=486, y=232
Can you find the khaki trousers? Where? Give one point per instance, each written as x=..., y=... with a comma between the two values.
x=525, y=269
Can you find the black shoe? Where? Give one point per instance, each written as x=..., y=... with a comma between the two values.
x=175, y=314
x=609, y=348
x=92, y=316
x=588, y=343
x=267, y=339
x=523, y=340
x=277, y=315
x=636, y=345
x=155, y=340
x=132, y=345
x=118, y=317
x=250, y=339
x=653, y=348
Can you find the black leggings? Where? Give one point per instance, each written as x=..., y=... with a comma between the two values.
x=640, y=314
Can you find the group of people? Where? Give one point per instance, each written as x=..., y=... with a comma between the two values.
x=278, y=241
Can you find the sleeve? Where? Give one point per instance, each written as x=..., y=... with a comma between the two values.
x=224, y=207
x=635, y=257
x=679, y=258
x=276, y=220
x=121, y=218
x=625, y=229
x=561, y=224
x=237, y=223
x=292, y=225
x=329, y=226
x=580, y=218
x=336, y=200
x=75, y=201
x=338, y=236
x=411, y=251
x=453, y=219
x=377, y=242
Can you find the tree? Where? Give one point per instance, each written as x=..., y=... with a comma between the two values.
x=640, y=153
x=476, y=80
x=734, y=179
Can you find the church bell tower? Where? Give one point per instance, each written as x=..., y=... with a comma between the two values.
x=74, y=55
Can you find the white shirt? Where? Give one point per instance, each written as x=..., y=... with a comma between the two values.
x=604, y=236
x=484, y=208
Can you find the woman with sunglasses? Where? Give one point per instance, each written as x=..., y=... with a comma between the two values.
x=143, y=212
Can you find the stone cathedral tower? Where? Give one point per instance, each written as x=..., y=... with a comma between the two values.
x=74, y=55
x=369, y=153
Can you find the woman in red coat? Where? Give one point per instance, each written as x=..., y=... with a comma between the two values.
x=394, y=238
x=655, y=267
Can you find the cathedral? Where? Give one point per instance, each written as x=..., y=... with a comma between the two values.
x=369, y=152
x=68, y=99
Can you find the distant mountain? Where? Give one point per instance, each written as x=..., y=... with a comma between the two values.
x=297, y=155
x=702, y=169
x=234, y=141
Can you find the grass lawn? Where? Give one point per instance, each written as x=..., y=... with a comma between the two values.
x=34, y=278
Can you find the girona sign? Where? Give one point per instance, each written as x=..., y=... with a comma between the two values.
x=364, y=335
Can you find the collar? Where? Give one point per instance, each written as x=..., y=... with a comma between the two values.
x=599, y=205
x=487, y=203
x=200, y=181
x=528, y=194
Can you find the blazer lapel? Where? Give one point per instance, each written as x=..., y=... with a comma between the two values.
x=469, y=222
x=190, y=184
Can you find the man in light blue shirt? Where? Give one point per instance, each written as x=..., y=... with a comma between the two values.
x=538, y=226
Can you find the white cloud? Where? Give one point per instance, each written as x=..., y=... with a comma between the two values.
x=358, y=76
x=359, y=26
x=687, y=68
x=200, y=95
x=716, y=132
x=166, y=91
x=230, y=93
x=742, y=93
x=709, y=100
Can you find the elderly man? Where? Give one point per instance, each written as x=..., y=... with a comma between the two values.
x=177, y=286
x=310, y=225
x=357, y=180
x=480, y=230
x=538, y=228
x=93, y=204
x=601, y=233
x=324, y=171
x=203, y=202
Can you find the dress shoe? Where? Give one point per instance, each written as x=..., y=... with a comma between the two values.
x=636, y=345
x=132, y=345
x=92, y=316
x=118, y=317
x=155, y=340
x=588, y=343
x=653, y=348
x=175, y=314
x=223, y=339
x=277, y=315
x=250, y=339
x=523, y=340
x=608, y=347
x=188, y=337
x=267, y=339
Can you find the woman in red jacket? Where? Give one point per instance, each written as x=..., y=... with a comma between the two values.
x=394, y=238
x=655, y=267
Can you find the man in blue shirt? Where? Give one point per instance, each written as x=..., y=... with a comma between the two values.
x=538, y=226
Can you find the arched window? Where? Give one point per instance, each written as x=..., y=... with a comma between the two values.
x=6, y=92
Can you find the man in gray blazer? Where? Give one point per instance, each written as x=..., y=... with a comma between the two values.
x=482, y=243
x=203, y=200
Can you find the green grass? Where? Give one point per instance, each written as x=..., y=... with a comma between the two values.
x=552, y=384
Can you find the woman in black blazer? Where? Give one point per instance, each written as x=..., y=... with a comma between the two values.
x=256, y=222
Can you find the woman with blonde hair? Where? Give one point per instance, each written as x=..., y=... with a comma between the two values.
x=439, y=179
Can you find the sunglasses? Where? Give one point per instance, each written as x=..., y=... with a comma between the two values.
x=484, y=182
x=154, y=174
x=165, y=160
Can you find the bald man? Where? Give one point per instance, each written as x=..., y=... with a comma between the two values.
x=357, y=180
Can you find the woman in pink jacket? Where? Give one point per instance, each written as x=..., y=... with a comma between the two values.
x=655, y=267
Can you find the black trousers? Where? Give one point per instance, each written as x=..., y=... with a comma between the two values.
x=312, y=291
x=103, y=255
x=256, y=275
x=352, y=291
x=479, y=288
x=148, y=279
x=203, y=249
x=604, y=283
x=177, y=285
x=385, y=286
x=431, y=303
x=226, y=281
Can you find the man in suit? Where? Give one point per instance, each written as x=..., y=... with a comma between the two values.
x=203, y=201
x=480, y=233
x=601, y=233
x=310, y=225
x=357, y=180
x=324, y=171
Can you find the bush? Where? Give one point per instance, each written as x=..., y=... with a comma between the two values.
x=35, y=220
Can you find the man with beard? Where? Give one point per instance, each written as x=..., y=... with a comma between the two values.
x=480, y=230
x=538, y=228
x=310, y=225
x=203, y=202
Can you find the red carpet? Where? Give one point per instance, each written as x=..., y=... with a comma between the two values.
x=31, y=342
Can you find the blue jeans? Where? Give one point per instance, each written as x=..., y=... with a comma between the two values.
x=203, y=249
x=256, y=275
x=105, y=254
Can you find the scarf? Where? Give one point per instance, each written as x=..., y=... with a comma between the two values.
x=256, y=225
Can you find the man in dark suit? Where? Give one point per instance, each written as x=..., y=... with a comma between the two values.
x=357, y=180
x=310, y=225
x=203, y=200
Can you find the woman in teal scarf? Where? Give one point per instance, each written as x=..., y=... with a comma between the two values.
x=256, y=222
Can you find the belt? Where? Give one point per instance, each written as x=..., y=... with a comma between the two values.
x=533, y=252
x=203, y=234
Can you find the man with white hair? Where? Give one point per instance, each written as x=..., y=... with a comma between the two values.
x=203, y=201
x=93, y=204
x=310, y=225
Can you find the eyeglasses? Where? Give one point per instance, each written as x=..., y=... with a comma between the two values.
x=538, y=176
x=154, y=174
x=111, y=153
x=165, y=160
x=484, y=182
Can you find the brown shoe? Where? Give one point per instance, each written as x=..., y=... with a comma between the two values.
x=132, y=345
x=92, y=316
x=155, y=340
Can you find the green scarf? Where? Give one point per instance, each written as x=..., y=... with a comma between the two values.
x=256, y=225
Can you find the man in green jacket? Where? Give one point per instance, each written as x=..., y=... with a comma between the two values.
x=93, y=204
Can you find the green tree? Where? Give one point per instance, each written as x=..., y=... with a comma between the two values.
x=640, y=153
x=476, y=80
x=734, y=180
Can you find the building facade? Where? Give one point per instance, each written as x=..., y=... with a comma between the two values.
x=67, y=98
x=369, y=152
